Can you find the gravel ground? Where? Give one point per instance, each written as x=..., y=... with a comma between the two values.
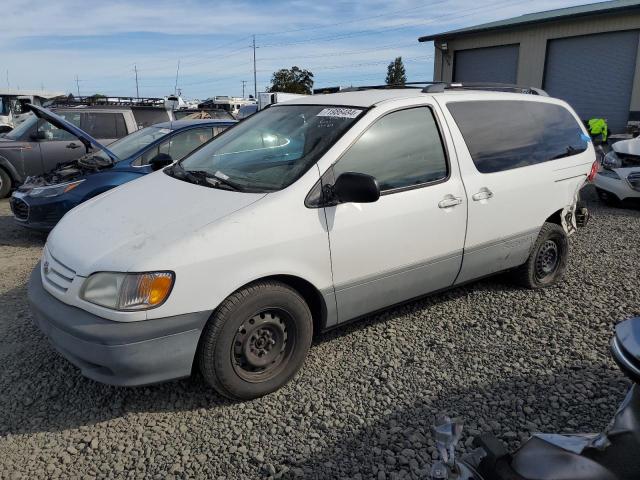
x=510, y=361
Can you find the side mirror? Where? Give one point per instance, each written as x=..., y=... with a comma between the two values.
x=356, y=188
x=160, y=161
x=39, y=135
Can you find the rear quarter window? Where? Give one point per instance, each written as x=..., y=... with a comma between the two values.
x=506, y=134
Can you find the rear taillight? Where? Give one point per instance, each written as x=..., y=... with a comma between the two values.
x=594, y=171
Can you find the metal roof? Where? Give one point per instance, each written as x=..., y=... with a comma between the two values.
x=599, y=8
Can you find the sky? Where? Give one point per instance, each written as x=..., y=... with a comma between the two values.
x=47, y=44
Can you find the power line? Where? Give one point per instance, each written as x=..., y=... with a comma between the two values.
x=390, y=29
x=386, y=15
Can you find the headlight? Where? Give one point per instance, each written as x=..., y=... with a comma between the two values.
x=128, y=291
x=611, y=160
x=54, y=190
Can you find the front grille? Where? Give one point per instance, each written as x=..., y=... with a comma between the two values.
x=634, y=180
x=20, y=208
x=57, y=274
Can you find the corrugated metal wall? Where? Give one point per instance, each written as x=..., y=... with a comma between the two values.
x=533, y=46
x=594, y=73
x=491, y=64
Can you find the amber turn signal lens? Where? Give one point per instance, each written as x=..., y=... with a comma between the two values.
x=159, y=289
x=71, y=187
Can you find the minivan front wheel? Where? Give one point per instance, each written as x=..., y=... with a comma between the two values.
x=548, y=259
x=256, y=341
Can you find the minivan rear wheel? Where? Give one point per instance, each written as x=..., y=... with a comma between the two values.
x=5, y=183
x=256, y=341
x=548, y=259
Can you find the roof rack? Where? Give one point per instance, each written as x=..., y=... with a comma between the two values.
x=382, y=87
x=439, y=87
x=99, y=100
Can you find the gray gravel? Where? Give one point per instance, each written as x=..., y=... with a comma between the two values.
x=510, y=361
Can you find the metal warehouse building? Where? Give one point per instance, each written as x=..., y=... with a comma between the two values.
x=586, y=55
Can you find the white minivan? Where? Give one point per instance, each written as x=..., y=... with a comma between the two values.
x=307, y=215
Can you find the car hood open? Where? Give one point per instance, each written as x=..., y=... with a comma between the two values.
x=61, y=123
x=139, y=222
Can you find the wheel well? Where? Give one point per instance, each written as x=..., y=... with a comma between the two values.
x=556, y=218
x=310, y=294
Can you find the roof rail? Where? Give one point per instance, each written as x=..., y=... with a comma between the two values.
x=371, y=87
x=439, y=87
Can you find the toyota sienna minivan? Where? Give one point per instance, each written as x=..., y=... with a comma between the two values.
x=306, y=215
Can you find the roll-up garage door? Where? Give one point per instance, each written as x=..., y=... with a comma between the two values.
x=594, y=73
x=491, y=64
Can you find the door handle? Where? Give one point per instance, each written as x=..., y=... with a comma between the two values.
x=483, y=194
x=73, y=145
x=449, y=201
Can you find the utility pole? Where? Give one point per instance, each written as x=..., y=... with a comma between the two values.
x=175, y=89
x=78, y=84
x=255, y=81
x=244, y=82
x=135, y=68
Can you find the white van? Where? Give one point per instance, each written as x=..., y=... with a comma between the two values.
x=306, y=215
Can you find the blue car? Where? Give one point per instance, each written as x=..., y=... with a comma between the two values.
x=42, y=201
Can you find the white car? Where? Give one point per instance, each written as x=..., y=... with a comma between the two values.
x=618, y=180
x=304, y=216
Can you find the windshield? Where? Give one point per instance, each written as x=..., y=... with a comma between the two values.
x=273, y=148
x=27, y=125
x=129, y=145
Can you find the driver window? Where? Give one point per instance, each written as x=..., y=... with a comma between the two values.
x=53, y=133
x=401, y=149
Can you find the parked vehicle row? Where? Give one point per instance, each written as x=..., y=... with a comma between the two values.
x=303, y=216
x=43, y=200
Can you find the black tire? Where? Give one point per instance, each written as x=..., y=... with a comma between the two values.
x=256, y=340
x=548, y=259
x=5, y=183
x=608, y=198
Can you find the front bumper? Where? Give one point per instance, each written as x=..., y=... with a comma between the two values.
x=117, y=353
x=618, y=186
x=41, y=213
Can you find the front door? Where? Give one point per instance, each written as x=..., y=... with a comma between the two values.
x=59, y=146
x=410, y=241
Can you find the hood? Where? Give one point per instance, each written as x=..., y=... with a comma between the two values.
x=139, y=220
x=627, y=147
x=61, y=123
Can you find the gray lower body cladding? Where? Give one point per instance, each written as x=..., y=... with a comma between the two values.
x=117, y=353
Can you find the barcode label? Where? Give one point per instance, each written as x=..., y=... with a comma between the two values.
x=339, y=112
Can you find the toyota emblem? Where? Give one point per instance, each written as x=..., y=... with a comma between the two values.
x=46, y=267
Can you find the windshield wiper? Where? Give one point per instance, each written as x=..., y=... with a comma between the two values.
x=214, y=179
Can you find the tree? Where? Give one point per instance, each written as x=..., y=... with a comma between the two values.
x=294, y=80
x=396, y=74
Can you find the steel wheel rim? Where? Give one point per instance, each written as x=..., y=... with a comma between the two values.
x=547, y=260
x=262, y=345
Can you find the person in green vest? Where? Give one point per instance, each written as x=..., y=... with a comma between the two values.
x=598, y=127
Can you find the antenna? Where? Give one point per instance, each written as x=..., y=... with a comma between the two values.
x=175, y=89
x=244, y=82
x=255, y=81
x=78, y=84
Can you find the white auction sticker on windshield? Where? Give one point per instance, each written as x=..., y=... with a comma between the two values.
x=339, y=112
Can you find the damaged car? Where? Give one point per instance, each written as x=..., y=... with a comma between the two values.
x=618, y=181
x=42, y=200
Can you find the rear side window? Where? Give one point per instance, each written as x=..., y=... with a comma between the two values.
x=121, y=126
x=502, y=135
x=100, y=125
x=402, y=149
